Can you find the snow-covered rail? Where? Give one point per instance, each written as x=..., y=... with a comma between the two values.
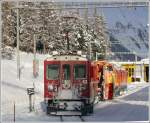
x=77, y=118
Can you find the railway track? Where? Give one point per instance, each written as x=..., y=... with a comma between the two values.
x=61, y=118
x=80, y=117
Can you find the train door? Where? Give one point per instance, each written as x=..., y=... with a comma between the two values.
x=66, y=81
x=131, y=73
x=130, y=68
x=51, y=77
x=108, y=82
x=146, y=73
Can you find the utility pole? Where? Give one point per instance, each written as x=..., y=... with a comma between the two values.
x=67, y=38
x=18, y=55
x=35, y=61
x=135, y=64
x=95, y=27
x=86, y=18
x=34, y=38
x=67, y=34
x=78, y=12
x=96, y=56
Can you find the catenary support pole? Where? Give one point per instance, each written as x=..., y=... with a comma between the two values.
x=18, y=55
x=34, y=47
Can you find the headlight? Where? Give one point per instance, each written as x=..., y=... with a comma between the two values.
x=83, y=87
x=84, y=81
x=50, y=88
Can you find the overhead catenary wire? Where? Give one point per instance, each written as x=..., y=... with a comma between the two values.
x=85, y=5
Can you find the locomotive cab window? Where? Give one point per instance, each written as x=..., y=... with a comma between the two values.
x=129, y=72
x=109, y=68
x=52, y=72
x=80, y=71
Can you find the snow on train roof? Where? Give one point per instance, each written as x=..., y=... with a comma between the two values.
x=67, y=58
x=143, y=61
x=146, y=61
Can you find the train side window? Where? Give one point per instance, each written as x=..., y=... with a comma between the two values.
x=80, y=71
x=110, y=68
x=52, y=71
x=129, y=72
x=132, y=71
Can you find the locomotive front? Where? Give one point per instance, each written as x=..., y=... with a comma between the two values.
x=67, y=85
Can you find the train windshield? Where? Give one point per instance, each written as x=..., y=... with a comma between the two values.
x=109, y=68
x=80, y=71
x=52, y=72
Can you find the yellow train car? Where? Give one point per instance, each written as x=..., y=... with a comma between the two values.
x=130, y=68
x=137, y=71
x=146, y=72
x=145, y=63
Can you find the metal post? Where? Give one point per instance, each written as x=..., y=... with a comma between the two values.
x=67, y=38
x=78, y=12
x=18, y=55
x=95, y=12
x=135, y=65
x=30, y=92
x=89, y=44
x=34, y=59
x=96, y=56
x=14, y=112
x=34, y=47
x=33, y=97
x=30, y=103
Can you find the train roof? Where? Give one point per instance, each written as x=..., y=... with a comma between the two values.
x=67, y=58
x=145, y=61
x=129, y=62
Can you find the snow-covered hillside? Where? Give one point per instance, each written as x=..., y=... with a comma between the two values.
x=127, y=30
x=129, y=27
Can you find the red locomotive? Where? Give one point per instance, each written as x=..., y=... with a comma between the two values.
x=72, y=83
x=67, y=84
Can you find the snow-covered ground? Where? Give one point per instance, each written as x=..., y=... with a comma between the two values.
x=14, y=90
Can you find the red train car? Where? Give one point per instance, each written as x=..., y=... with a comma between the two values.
x=102, y=75
x=109, y=80
x=120, y=81
x=67, y=85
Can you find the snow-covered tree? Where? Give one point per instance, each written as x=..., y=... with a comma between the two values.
x=100, y=44
x=53, y=29
x=9, y=23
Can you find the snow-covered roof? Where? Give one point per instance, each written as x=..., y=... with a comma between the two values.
x=145, y=61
